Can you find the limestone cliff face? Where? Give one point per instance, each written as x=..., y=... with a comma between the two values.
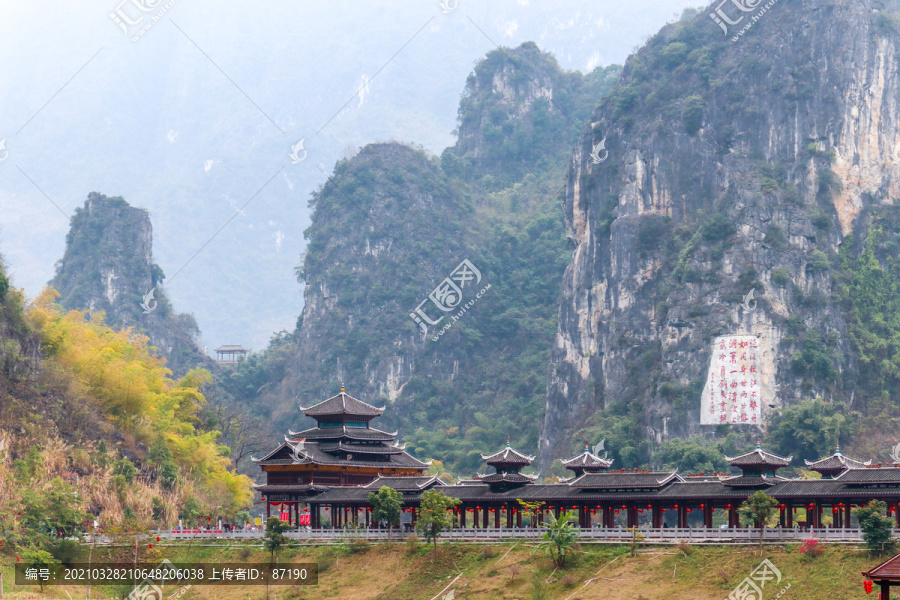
x=732, y=166
x=108, y=267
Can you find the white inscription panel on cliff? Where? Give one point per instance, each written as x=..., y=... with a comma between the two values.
x=734, y=390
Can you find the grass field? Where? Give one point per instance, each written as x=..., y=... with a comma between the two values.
x=401, y=571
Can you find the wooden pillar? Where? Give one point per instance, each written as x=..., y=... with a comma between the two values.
x=484, y=517
x=368, y=514
x=632, y=514
x=789, y=511
x=817, y=517
x=607, y=516
x=496, y=517
x=657, y=517
x=413, y=520
x=733, y=519
x=509, y=517
x=782, y=513
x=268, y=510
x=885, y=589
x=519, y=517
x=682, y=516
x=707, y=516
x=462, y=516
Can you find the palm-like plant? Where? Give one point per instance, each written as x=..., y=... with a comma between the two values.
x=560, y=537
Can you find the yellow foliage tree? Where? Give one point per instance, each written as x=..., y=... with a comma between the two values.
x=137, y=393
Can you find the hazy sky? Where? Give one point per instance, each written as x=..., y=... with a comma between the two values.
x=194, y=119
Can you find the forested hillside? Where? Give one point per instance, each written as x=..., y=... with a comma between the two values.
x=94, y=427
x=393, y=222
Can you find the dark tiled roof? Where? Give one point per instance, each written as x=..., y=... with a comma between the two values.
x=360, y=448
x=630, y=480
x=293, y=489
x=869, y=476
x=889, y=569
x=748, y=481
x=508, y=456
x=836, y=462
x=759, y=458
x=507, y=478
x=587, y=460
x=350, y=433
x=700, y=490
x=312, y=453
x=342, y=404
x=406, y=483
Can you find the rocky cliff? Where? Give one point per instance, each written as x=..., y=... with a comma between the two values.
x=431, y=282
x=758, y=159
x=108, y=267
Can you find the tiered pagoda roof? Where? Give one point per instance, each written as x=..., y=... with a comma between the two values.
x=587, y=462
x=757, y=462
x=836, y=464
x=508, y=457
x=507, y=463
x=342, y=404
x=342, y=442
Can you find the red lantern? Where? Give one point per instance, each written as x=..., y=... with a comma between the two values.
x=617, y=511
x=151, y=546
x=593, y=511
x=649, y=506
x=157, y=539
x=676, y=506
x=690, y=510
x=623, y=506
x=641, y=510
x=664, y=510
x=714, y=510
x=867, y=586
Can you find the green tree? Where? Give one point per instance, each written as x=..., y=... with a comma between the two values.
x=689, y=456
x=757, y=510
x=386, y=504
x=876, y=526
x=560, y=537
x=275, y=539
x=53, y=512
x=38, y=559
x=433, y=517
x=808, y=430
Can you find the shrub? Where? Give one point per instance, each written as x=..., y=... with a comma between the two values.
x=780, y=276
x=412, y=543
x=775, y=236
x=812, y=548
